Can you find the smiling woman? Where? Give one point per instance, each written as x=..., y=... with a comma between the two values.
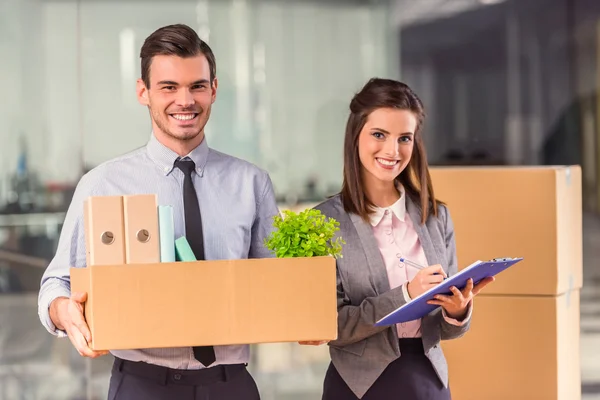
x=387, y=213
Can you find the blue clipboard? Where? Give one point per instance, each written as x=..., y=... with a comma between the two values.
x=418, y=307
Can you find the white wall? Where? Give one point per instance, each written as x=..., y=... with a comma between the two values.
x=10, y=81
x=23, y=114
x=64, y=102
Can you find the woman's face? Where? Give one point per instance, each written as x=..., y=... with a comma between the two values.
x=385, y=143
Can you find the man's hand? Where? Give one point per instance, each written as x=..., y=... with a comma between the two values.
x=67, y=315
x=425, y=280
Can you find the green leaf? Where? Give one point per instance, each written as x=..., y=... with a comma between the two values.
x=305, y=234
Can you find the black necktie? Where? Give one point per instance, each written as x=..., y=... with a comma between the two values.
x=193, y=234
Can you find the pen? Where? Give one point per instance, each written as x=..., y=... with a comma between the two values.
x=414, y=264
x=411, y=263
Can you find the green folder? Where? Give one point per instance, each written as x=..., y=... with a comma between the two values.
x=183, y=251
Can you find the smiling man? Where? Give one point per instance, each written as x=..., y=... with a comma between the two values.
x=223, y=205
x=179, y=86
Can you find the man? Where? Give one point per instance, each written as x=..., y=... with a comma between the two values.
x=223, y=205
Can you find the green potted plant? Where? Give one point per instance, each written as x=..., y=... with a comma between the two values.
x=305, y=234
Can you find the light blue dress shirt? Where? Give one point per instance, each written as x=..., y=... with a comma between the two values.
x=237, y=203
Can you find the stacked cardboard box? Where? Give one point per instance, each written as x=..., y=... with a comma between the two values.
x=524, y=337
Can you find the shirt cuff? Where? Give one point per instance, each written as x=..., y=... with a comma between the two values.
x=405, y=292
x=455, y=322
x=49, y=294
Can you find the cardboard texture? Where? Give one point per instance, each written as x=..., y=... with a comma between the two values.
x=104, y=230
x=518, y=348
x=142, y=238
x=209, y=302
x=530, y=212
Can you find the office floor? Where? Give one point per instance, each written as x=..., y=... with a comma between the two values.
x=590, y=309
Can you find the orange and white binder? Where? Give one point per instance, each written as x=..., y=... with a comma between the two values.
x=142, y=237
x=104, y=230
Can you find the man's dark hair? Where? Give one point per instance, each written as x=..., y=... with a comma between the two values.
x=175, y=40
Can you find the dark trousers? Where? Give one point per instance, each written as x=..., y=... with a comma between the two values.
x=410, y=377
x=141, y=381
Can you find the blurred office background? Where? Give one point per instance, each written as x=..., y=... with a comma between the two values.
x=509, y=82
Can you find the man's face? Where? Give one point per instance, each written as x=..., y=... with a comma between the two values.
x=180, y=96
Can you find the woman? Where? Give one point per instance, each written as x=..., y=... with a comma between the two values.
x=387, y=211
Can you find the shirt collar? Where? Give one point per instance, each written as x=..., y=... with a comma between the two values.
x=398, y=209
x=165, y=158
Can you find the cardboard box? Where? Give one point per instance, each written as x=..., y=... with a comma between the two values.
x=530, y=212
x=209, y=302
x=518, y=348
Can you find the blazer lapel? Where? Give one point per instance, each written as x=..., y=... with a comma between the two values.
x=377, y=270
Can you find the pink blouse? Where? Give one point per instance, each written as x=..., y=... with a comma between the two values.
x=397, y=238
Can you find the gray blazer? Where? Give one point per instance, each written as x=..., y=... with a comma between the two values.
x=362, y=351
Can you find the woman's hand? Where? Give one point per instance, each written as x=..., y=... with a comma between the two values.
x=456, y=305
x=425, y=279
